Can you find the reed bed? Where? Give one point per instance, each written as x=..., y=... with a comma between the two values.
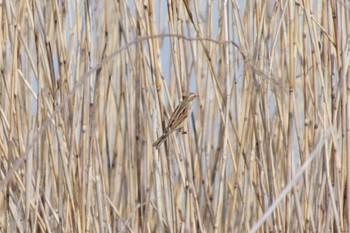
x=87, y=86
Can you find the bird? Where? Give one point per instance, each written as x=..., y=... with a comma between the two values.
x=177, y=118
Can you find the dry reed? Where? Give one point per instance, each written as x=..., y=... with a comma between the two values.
x=87, y=86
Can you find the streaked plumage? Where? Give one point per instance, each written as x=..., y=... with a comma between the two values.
x=177, y=119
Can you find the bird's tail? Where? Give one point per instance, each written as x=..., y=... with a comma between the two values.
x=160, y=140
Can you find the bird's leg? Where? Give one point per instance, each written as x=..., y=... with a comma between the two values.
x=182, y=130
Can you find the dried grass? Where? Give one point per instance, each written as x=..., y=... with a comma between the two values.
x=87, y=87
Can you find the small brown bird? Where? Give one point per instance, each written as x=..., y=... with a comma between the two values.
x=177, y=119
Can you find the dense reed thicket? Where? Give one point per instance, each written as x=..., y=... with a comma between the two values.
x=87, y=86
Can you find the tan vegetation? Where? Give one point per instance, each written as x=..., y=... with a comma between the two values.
x=87, y=86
